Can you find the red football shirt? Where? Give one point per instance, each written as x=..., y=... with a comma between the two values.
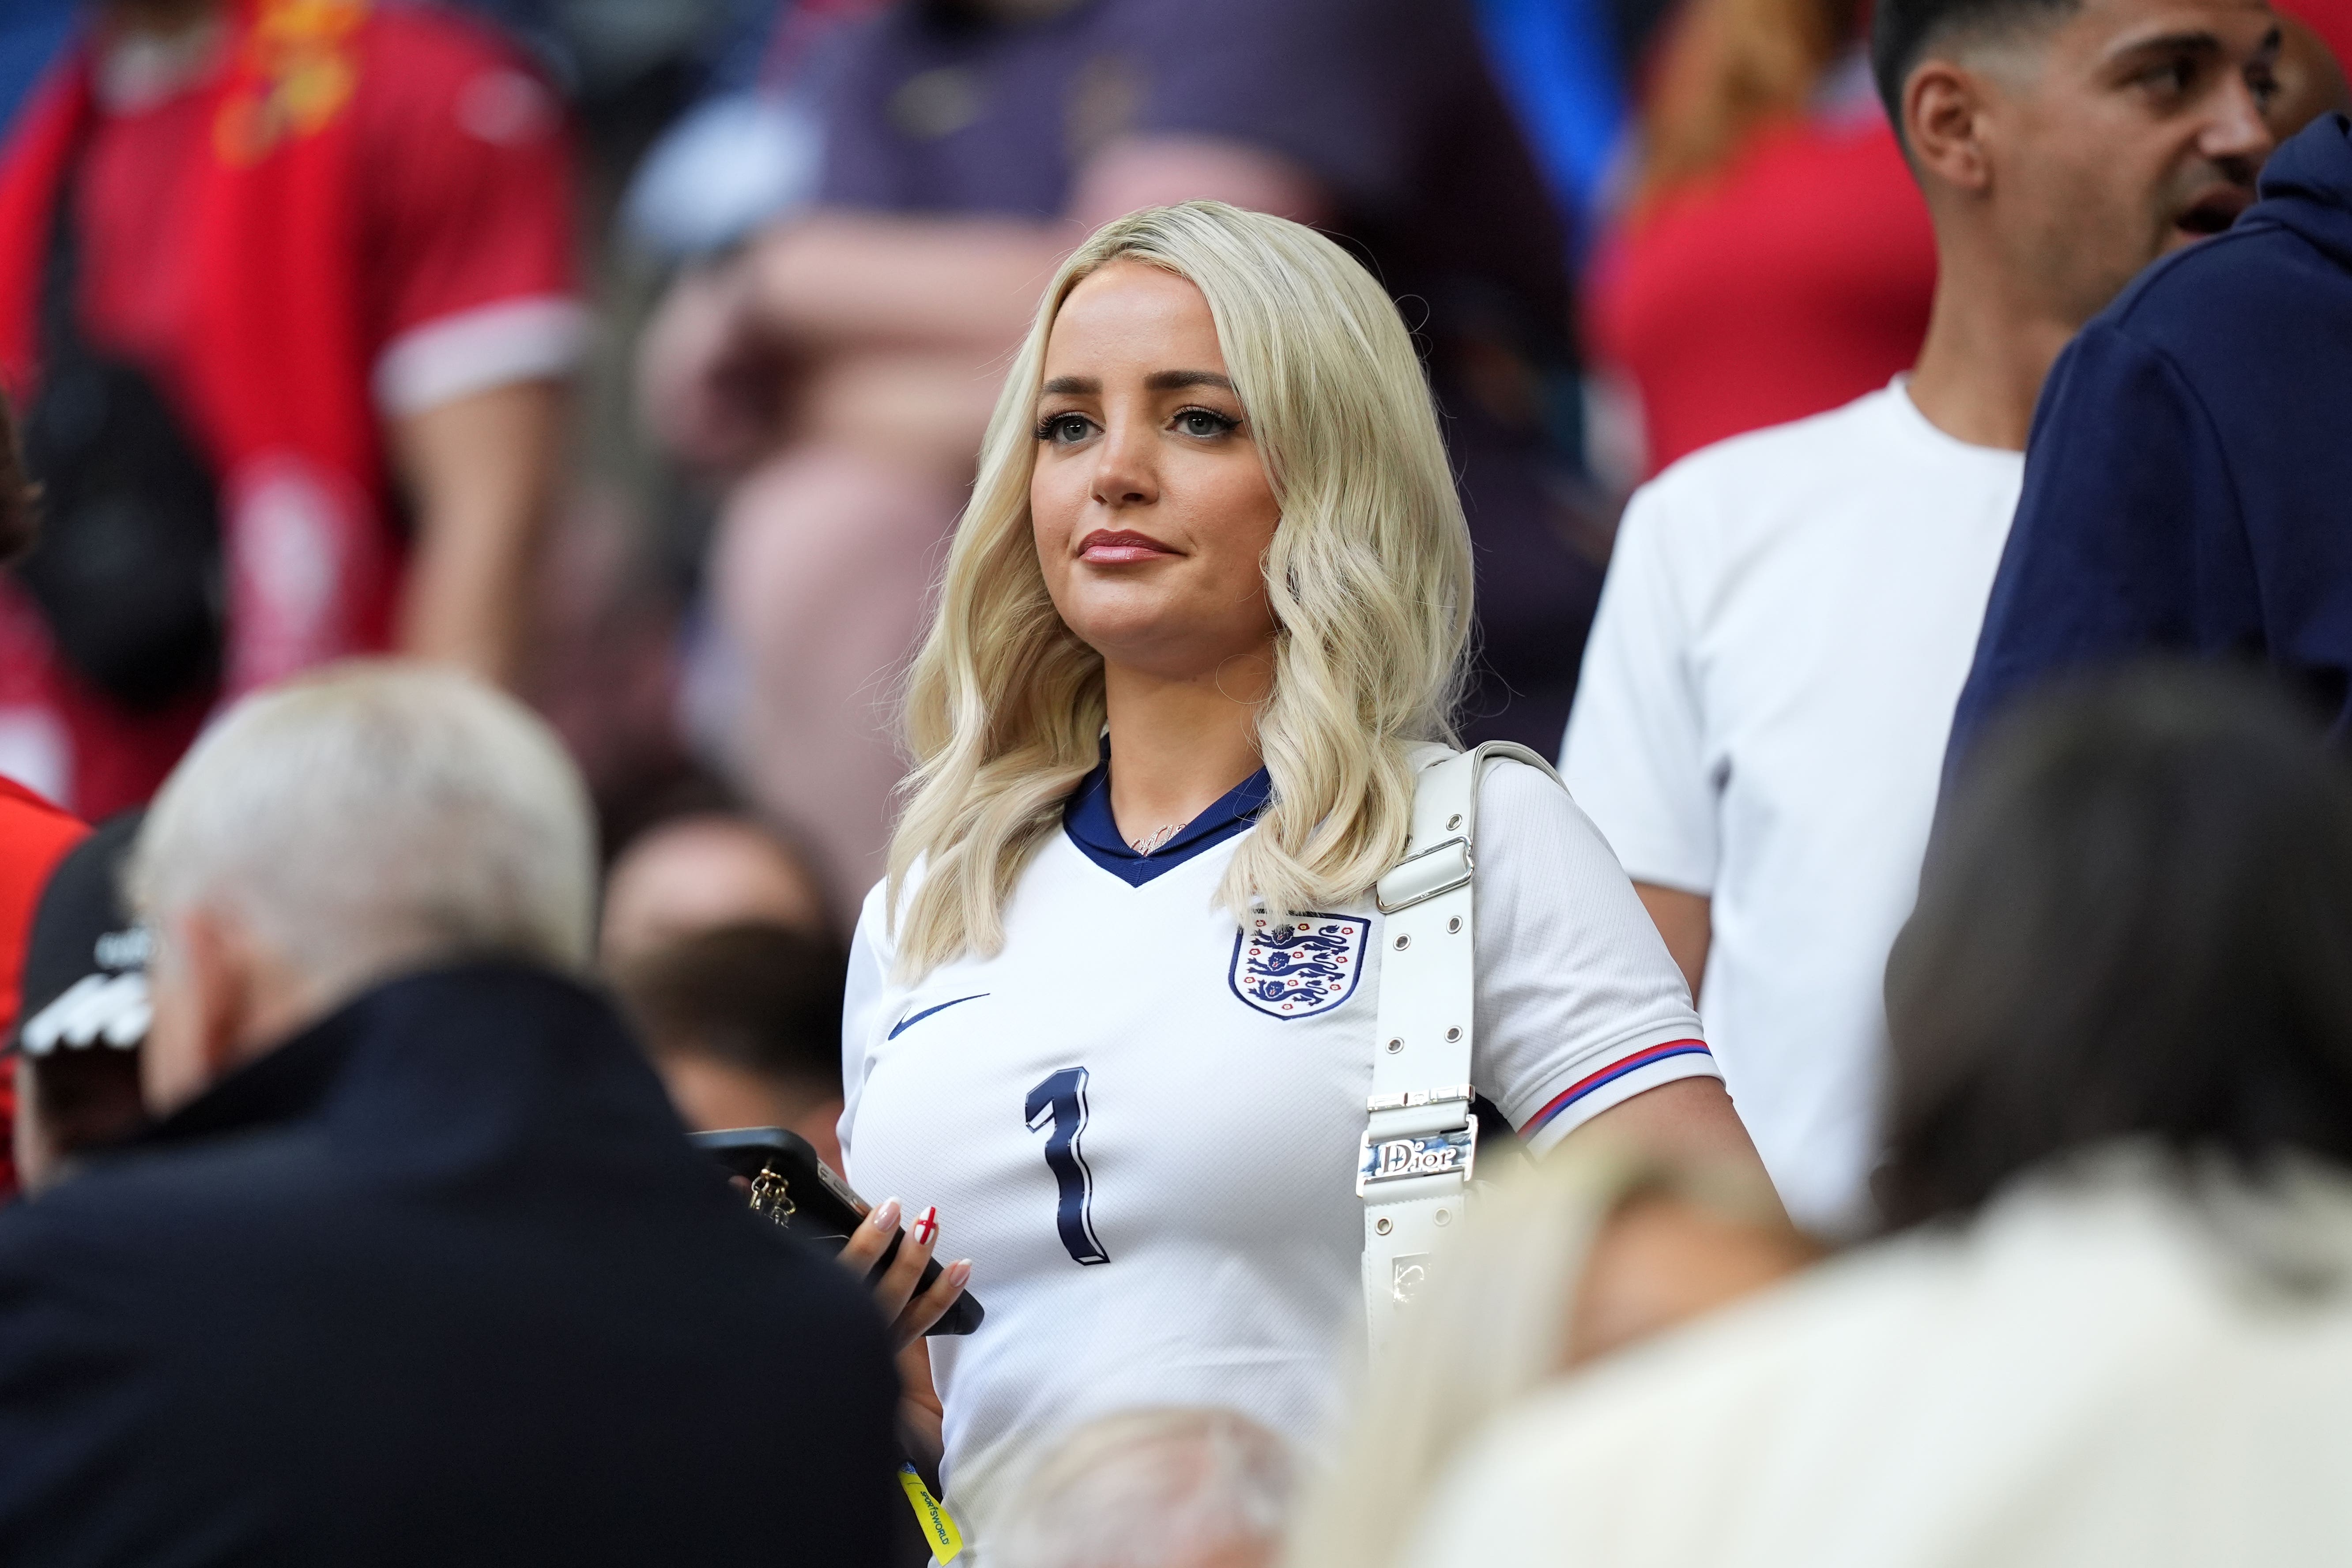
x=465, y=280
x=34, y=836
x=468, y=207
x=1793, y=281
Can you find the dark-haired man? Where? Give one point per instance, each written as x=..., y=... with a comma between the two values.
x=1790, y=615
x=743, y=1023
x=2190, y=484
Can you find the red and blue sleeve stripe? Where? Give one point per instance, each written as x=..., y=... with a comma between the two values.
x=1608, y=1075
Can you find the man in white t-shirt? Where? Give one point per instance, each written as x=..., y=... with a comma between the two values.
x=1790, y=615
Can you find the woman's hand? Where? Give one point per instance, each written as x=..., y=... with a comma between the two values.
x=910, y=1315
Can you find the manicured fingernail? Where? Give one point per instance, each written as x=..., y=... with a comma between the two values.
x=884, y=1216
x=927, y=1226
x=957, y=1274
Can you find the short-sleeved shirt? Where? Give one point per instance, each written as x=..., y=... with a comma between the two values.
x=467, y=274
x=1139, y=1119
x=1788, y=620
x=463, y=279
x=1389, y=106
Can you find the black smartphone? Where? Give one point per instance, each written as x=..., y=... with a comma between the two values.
x=800, y=1192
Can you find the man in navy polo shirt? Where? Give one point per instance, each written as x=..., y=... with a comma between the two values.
x=2188, y=479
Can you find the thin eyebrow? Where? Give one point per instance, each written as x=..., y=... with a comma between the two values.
x=1175, y=380
x=1157, y=381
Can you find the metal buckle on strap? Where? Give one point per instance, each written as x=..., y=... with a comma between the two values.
x=1407, y=877
x=1425, y=1154
x=1412, y=1098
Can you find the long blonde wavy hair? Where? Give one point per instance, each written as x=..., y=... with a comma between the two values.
x=1369, y=575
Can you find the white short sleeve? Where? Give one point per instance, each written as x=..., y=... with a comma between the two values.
x=1580, y=1006
x=1636, y=752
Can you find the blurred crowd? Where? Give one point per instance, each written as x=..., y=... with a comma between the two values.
x=481, y=472
x=644, y=369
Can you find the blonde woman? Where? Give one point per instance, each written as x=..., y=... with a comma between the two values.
x=1110, y=1015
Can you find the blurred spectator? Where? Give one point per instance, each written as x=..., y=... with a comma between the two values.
x=597, y=48
x=2120, y=1329
x=1789, y=613
x=696, y=873
x=85, y=1011
x=284, y=286
x=1775, y=259
x=606, y=658
x=969, y=144
x=744, y=1026
x=414, y=1266
x=1566, y=1261
x=34, y=834
x=1164, y=1488
x=2190, y=486
x=752, y=148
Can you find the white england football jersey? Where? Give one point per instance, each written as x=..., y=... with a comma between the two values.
x=1140, y=1121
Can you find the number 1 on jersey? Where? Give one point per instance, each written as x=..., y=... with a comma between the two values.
x=1061, y=1102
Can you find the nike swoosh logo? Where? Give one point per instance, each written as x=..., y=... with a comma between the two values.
x=913, y=1019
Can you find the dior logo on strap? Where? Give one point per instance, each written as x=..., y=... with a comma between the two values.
x=1445, y=1153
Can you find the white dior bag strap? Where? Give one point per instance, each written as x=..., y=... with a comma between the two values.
x=1413, y=1167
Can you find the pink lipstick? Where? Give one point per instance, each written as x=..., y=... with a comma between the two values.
x=1122, y=547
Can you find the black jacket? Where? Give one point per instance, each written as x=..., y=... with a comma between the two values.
x=439, y=1281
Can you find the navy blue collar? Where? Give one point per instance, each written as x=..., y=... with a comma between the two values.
x=1087, y=818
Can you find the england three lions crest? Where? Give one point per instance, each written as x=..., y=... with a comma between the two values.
x=1298, y=965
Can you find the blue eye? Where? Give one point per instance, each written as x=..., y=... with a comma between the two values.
x=1064, y=429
